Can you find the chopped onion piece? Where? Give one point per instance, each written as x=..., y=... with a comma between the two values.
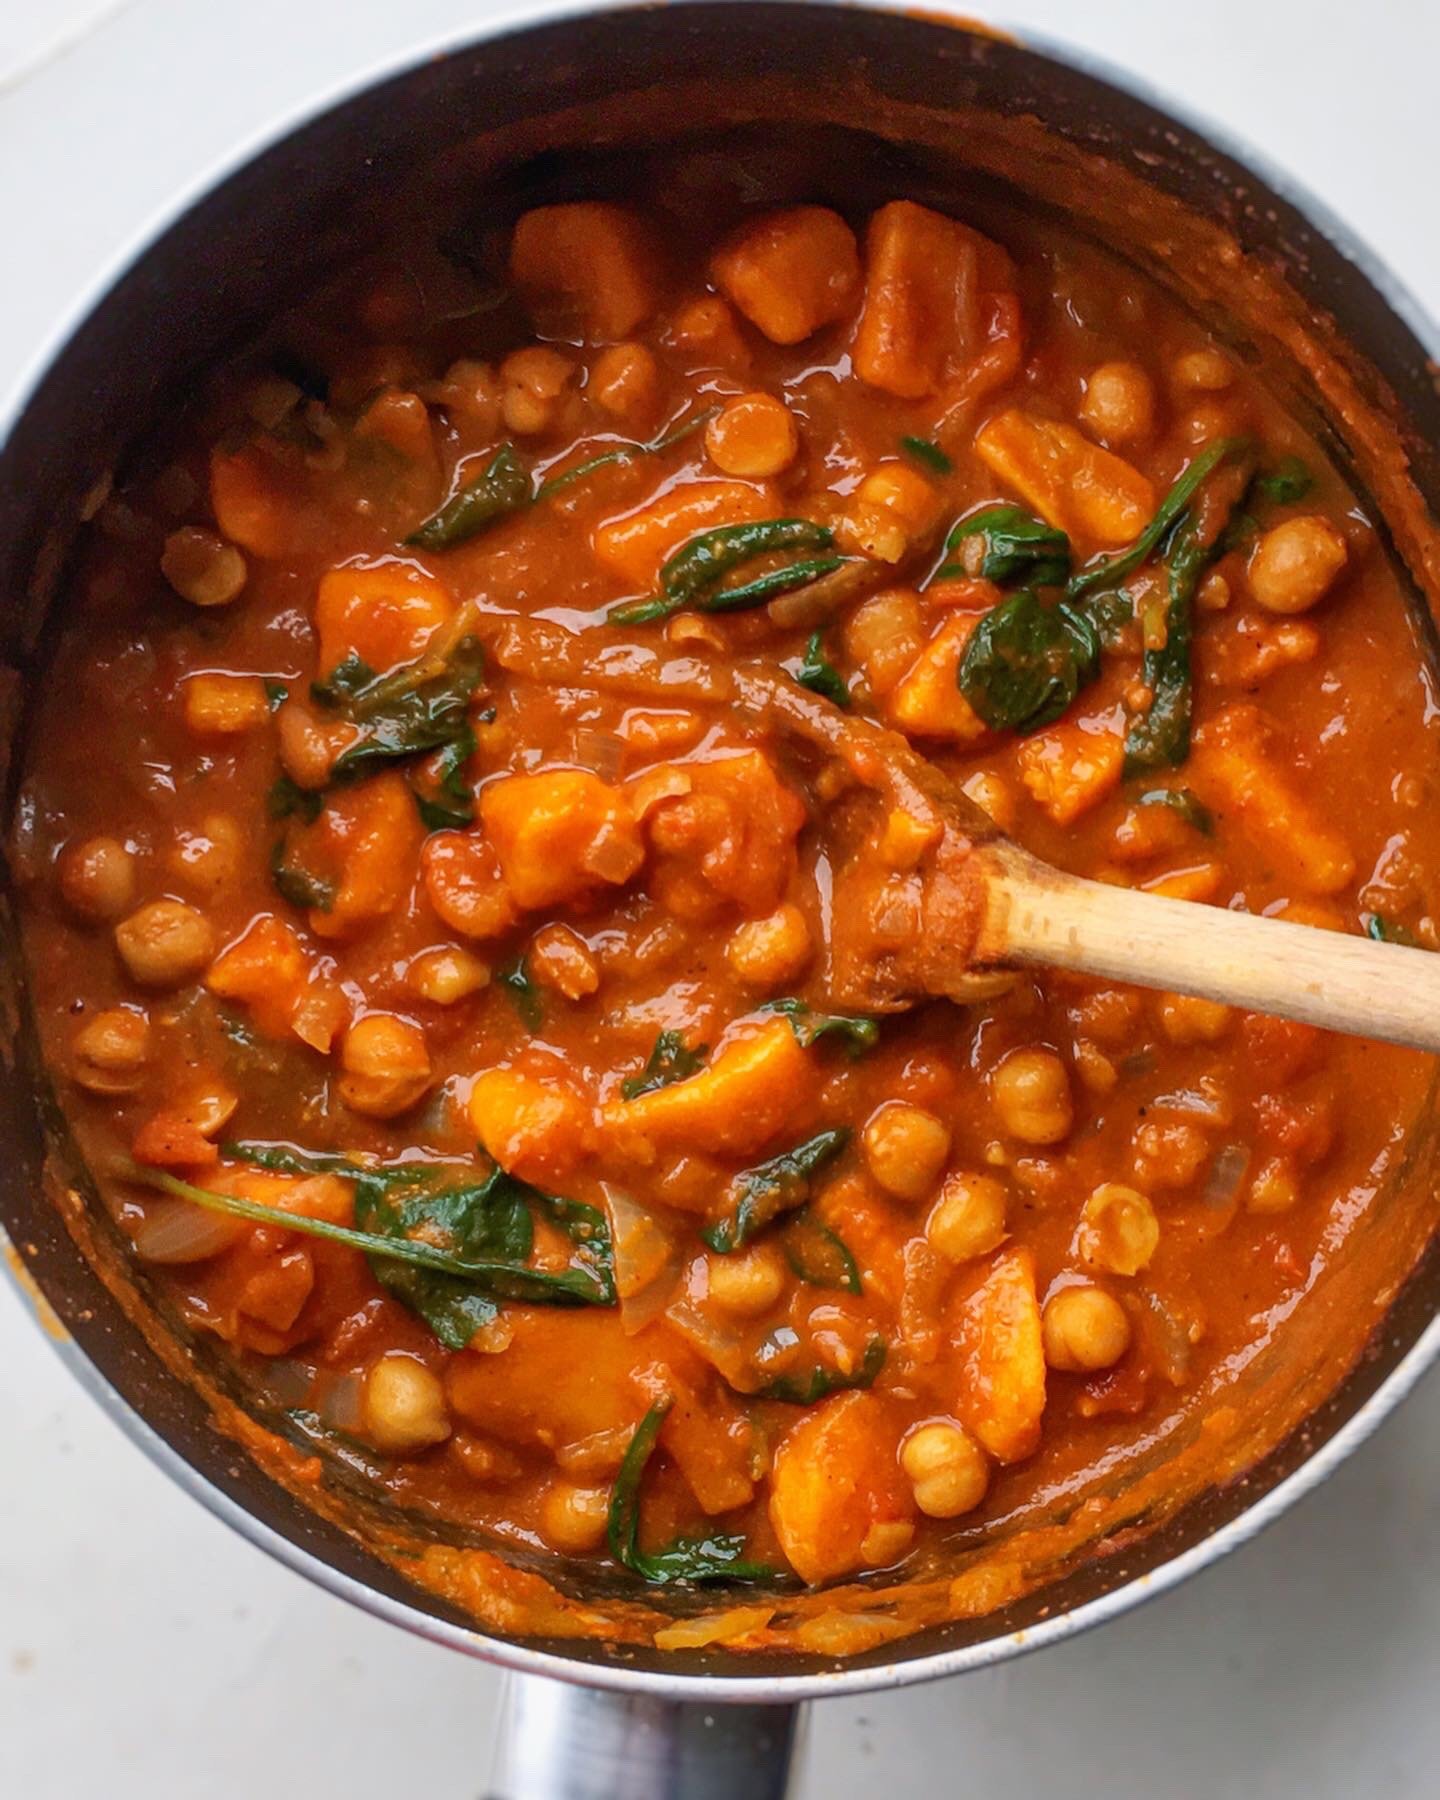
x=647, y=1259
x=174, y=1231
x=1226, y=1177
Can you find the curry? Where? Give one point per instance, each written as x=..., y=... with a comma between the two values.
x=444, y=967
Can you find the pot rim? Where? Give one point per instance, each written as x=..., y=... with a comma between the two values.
x=774, y=1688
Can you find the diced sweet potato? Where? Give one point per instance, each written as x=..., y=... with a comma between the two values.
x=1069, y=769
x=369, y=837
x=225, y=705
x=535, y=1129
x=790, y=272
x=748, y=1093
x=921, y=321
x=266, y=970
x=576, y=1359
x=636, y=544
x=1002, y=1358
x=729, y=837
x=1093, y=494
x=928, y=701
x=385, y=616
x=168, y=1140
x=590, y=267
x=708, y=1435
x=834, y=1477
x=560, y=834
x=464, y=884
x=1235, y=770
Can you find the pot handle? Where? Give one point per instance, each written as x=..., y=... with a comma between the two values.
x=557, y=1741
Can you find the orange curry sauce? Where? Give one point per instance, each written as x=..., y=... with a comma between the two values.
x=265, y=909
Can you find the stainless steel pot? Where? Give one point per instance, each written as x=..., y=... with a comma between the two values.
x=228, y=256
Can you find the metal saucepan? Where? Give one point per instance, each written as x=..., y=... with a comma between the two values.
x=888, y=102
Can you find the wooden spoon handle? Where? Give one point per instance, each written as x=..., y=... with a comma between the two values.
x=1036, y=914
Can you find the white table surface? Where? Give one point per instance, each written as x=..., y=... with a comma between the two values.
x=146, y=1653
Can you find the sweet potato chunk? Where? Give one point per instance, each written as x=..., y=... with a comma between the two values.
x=590, y=268
x=749, y=1092
x=367, y=838
x=921, y=321
x=928, y=700
x=1002, y=1358
x=535, y=1129
x=1091, y=493
x=726, y=835
x=560, y=834
x=790, y=272
x=1235, y=770
x=834, y=1477
x=385, y=616
x=266, y=970
x=576, y=1359
x=708, y=1435
x=1069, y=769
x=635, y=545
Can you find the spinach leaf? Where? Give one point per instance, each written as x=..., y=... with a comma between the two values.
x=928, y=454
x=715, y=1557
x=276, y=694
x=857, y=1033
x=287, y=799
x=523, y=990
x=820, y=675
x=411, y=722
x=1110, y=570
x=1025, y=663
x=626, y=453
x=804, y=1388
x=1109, y=614
x=819, y=1255
x=502, y=487
x=669, y=1060
x=1286, y=483
x=692, y=576
x=285, y=1159
x=1184, y=802
x=1017, y=547
x=449, y=805
x=590, y=1285
x=1390, y=931
x=771, y=1188
x=343, y=683
x=299, y=886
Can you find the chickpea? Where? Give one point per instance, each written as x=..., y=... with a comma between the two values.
x=308, y=745
x=1295, y=564
x=402, y=1405
x=110, y=1051
x=885, y=636
x=968, y=1220
x=446, y=977
x=573, y=1519
x=165, y=944
x=1169, y=1153
x=470, y=390
x=886, y=1541
x=1084, y=1329
x=1202, y=371
x=97, y=878
x=386, y=1066
x=892, y=507
x=208, y=860
x=625, y=382
x=1118, y=1230
x=948, y=1470
x=747, y=1284
x=1186, y=1020
x=1119, y=403
x=201, y=567
x=535, y=381
x=771, y=951
x=905, y=1148
x=561, y=959
x=1098, y=1075
x=1031, y=1091
x=753, y=435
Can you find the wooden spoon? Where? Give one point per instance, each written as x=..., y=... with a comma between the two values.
x=929, y=897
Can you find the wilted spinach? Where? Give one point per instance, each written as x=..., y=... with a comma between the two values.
x=771, y=1188
x=804, y=1388
x=1026, y=662
x=820, y=675
x=857, y=1033
x=819, y=1255
x=670, y=1060
x=1016, y=547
